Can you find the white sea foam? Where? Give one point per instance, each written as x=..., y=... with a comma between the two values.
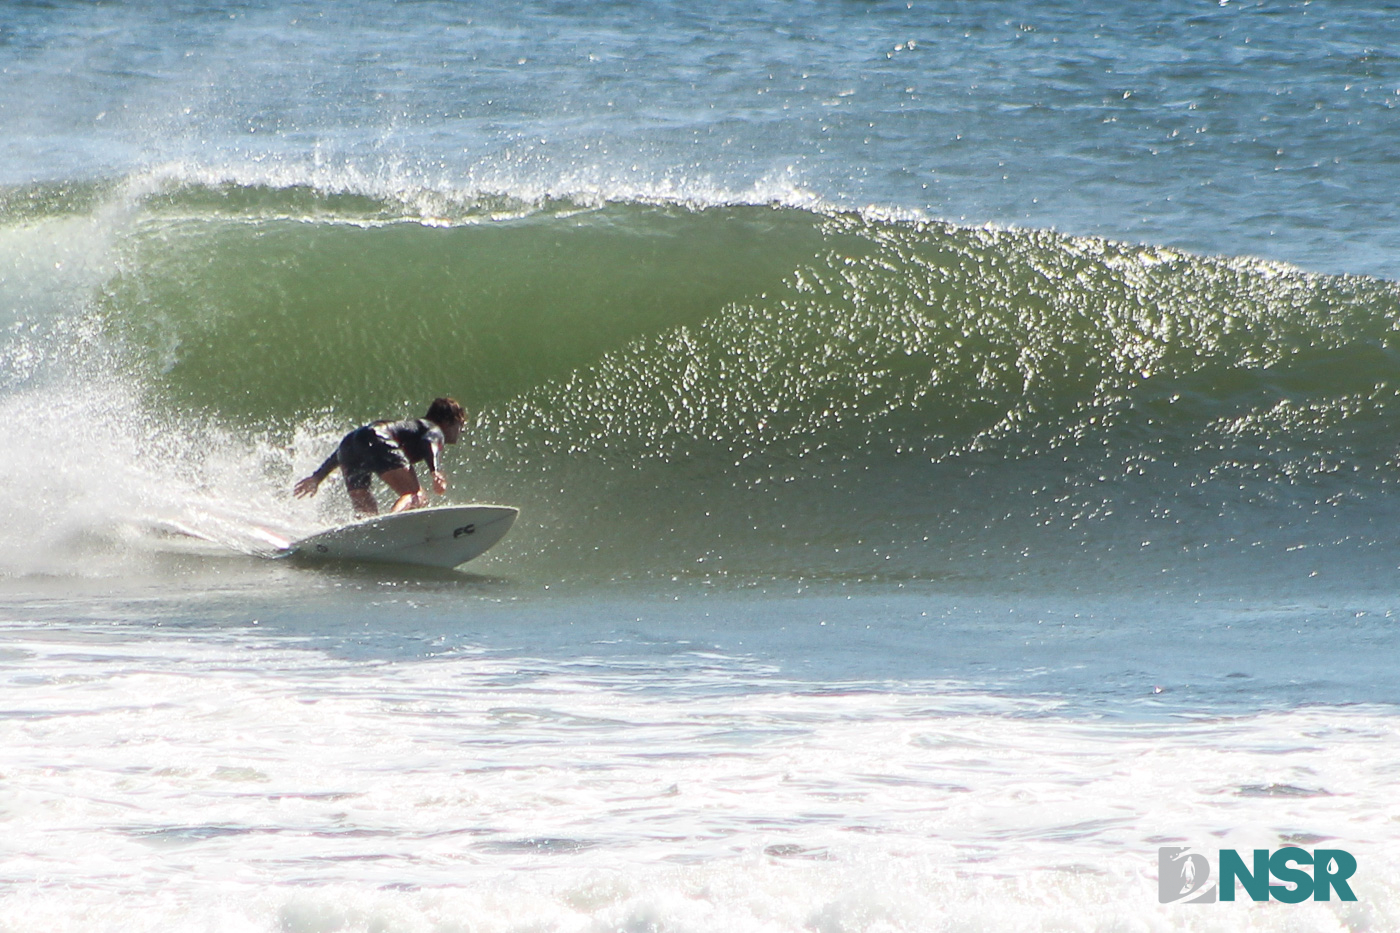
x=246, y=783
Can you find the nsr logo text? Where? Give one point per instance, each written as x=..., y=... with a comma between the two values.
x=1183, y=876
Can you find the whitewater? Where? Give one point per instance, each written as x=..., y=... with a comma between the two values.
x=956, y=448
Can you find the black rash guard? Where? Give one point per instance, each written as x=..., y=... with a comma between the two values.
x=383, y=446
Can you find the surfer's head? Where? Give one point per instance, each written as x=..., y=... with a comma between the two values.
x=448, y=414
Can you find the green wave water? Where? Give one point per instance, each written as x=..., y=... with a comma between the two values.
x=764, y=385
x=265, y=312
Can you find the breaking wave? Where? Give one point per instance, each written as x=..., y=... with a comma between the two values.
x=722, y=387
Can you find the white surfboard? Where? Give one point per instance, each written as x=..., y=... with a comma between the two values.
x=439, y=537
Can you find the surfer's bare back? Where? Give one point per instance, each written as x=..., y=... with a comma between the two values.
x=389, y=449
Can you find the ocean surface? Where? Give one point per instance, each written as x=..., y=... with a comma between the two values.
x=957, y=447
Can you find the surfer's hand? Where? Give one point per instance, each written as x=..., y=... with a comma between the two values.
x=306, y=487
x=439, y=482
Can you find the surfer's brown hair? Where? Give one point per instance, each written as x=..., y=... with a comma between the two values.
x=446, y=410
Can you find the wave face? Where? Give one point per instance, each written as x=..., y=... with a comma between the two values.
x=728, y=388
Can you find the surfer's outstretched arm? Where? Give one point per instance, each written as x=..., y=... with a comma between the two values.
x=308, y=486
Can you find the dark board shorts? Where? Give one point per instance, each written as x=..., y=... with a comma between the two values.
x=365, y=453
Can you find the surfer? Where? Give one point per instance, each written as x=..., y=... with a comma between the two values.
x=389, y=449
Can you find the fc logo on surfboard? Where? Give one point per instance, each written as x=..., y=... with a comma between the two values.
x=464, y=530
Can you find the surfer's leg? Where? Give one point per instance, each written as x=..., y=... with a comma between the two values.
x=359, y=461
x=363, y=500
x=405, y=482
